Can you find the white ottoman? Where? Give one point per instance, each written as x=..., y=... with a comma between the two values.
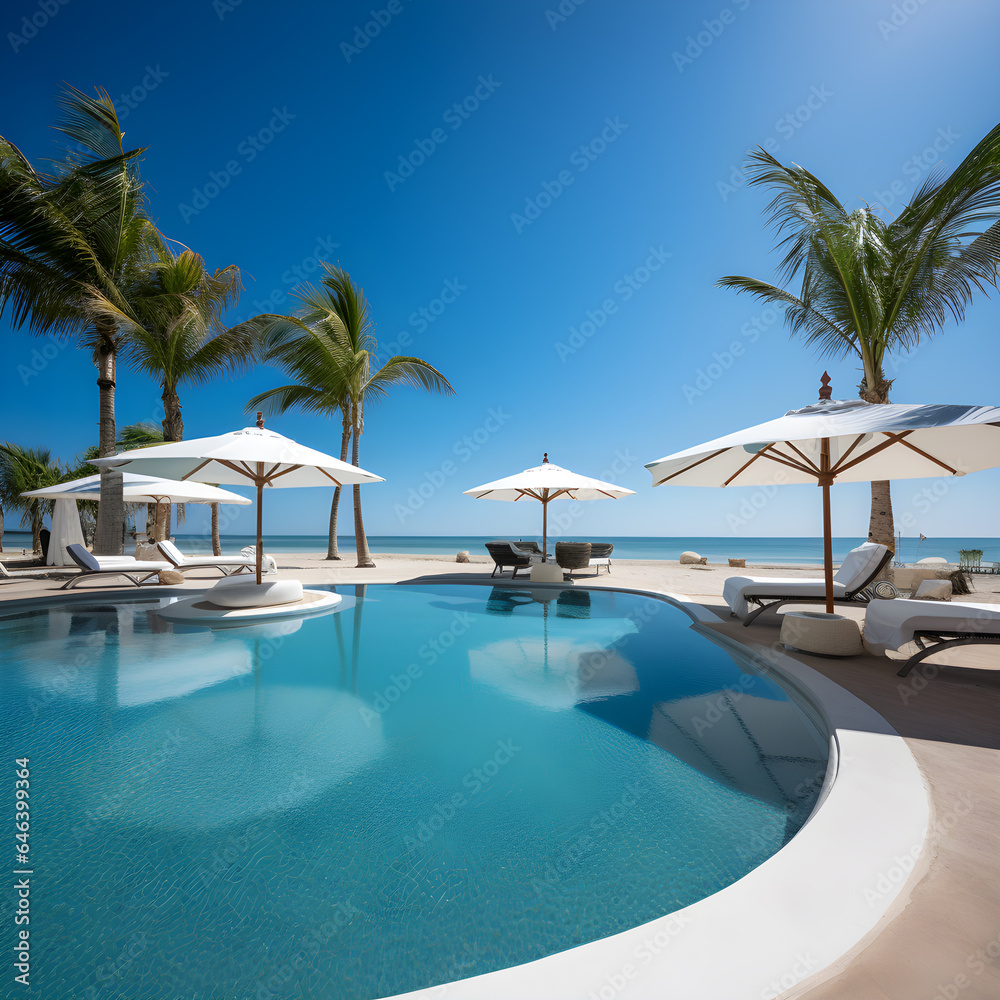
x=250, y=594
x=817, y=632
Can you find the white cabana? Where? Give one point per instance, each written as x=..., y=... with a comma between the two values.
x=545, y=483
x=843, y=441
x=65, y=531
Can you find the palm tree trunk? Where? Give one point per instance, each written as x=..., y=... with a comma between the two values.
x=111, y=511
x=364, y=556
x=881, y=529
x=37, y=520
x=216, y=541
x=332, y=550
x=1, y=528
x=172, y=423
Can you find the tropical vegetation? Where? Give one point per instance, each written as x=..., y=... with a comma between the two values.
x=872, y=286
x=23, y=470
x=330, y=352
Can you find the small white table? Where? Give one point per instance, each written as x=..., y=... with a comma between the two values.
x=546, y=572
x=818, y=632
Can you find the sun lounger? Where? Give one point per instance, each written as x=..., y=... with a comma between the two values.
x=111, y=566
x=893, y=624
x=226, y=565
x=860, y=567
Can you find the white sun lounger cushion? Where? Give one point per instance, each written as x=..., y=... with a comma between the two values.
x=891, y=624
x=857, y=566
x=96, y=564
x=250, y=594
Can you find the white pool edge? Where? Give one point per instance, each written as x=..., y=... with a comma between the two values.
x=798, y=913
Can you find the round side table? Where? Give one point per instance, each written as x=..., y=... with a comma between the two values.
x=817, y=632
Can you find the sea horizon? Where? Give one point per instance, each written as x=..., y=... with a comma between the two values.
x=807, y=550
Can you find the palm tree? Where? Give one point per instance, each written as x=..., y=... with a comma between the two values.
x=329, y=350
x=181, y=337
x=23, y=469
x=74, y=244
x=871, y=286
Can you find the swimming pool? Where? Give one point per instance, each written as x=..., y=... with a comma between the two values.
x=432, y=783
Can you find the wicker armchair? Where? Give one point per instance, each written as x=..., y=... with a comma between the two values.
x=573, y=555
x=506, y=554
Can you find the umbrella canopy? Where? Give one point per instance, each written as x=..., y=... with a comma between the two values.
x=545, y=483
x=141, y=489
x=252, y=455
x=844, y=441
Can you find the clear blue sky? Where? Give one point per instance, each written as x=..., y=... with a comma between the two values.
x=273, y=138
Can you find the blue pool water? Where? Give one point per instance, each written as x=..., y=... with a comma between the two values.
x=432, y=783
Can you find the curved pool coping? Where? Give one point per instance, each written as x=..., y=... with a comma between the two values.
x=806, y=907
x=848, y=868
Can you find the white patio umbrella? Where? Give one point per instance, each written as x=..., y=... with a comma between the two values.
x=847, y=441
x=252, y=455
x=136, y=489
x=545, y=483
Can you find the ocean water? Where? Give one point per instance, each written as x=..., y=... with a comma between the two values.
x=778, y=551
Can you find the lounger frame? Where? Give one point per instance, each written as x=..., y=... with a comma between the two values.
x=856, y=596
x=129, y=572
x=945, y=639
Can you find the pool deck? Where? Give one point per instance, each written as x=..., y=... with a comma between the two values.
x=941, y=938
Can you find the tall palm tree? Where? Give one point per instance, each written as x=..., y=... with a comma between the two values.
x=181, y=337
x=23, y=469
x=870, y=285
x=329, y=349
x=74, y=243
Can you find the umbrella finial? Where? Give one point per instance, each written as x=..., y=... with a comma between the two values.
x=545, y=458
x=825, y=391
x=260, y=419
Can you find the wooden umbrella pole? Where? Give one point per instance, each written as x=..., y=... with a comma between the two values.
x=545, y=530
x=825, y=480
x=260, y=521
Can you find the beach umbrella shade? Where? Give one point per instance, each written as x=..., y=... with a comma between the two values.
x=253, y=456
x=845, y=441
x=545, y=483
